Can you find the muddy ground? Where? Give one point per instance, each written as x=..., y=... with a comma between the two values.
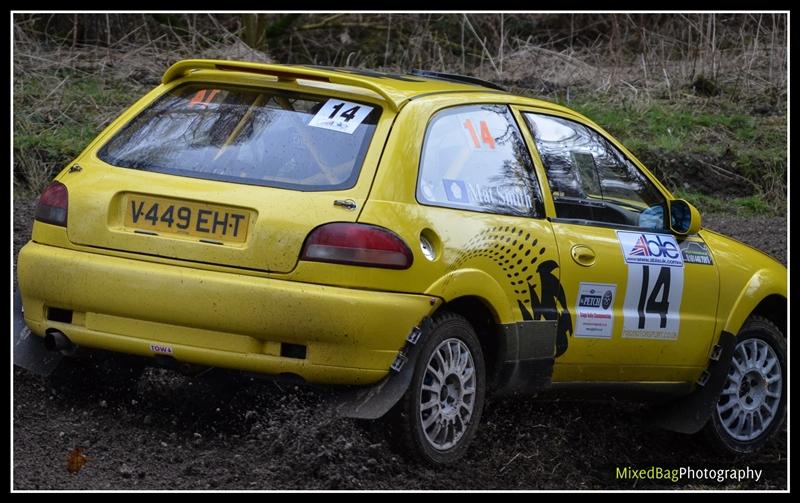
x=172, y=433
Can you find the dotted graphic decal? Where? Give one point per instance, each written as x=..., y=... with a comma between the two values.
x=519, y=255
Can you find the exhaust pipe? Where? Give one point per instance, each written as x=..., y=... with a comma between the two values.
x=55, y=340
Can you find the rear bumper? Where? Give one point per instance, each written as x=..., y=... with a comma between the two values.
x=217, y=318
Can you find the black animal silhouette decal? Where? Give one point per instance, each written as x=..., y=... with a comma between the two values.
x=551, y=306
x=516, y=252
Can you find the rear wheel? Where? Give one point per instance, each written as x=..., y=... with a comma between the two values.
x=440, y=411
x=752, y=405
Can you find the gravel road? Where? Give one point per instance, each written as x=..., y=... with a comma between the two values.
x=172, y=433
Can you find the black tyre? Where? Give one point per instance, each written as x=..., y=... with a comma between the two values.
x=439, y=414
x=752, y=405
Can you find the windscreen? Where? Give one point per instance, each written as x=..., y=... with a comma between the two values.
x=250, y=136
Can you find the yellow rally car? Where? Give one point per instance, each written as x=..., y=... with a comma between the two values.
x=421, y=239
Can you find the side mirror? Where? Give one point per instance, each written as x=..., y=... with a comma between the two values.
x=684, y=218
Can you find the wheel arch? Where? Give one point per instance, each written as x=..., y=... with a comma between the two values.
x=773, y=307
x=480, y=313
x=764, y=294
x=519, y=354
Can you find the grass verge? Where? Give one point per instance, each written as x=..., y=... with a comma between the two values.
x=697, y=146
x=56, y=115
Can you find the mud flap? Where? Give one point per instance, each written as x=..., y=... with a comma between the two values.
x=527, y=356
x=373, y=402
x=29, y=350
x=690, y=414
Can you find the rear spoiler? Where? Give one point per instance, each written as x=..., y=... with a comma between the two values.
x=282, y=72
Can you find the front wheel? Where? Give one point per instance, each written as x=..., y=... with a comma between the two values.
x=440, y=412
x=752, y=405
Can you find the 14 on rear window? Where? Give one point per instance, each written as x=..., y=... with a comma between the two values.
x=257, y=137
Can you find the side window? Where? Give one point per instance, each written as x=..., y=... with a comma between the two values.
x=474, y=158
x=590, y=179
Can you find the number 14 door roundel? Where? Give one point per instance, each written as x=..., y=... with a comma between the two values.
x=655, y=285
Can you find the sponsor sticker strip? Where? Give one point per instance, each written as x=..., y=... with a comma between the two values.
x=508, y=195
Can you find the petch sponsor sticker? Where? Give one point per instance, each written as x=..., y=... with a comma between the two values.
x=594, y=310
x=650, y=249
x=340, y=115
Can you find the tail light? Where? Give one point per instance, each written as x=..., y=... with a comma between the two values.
x=52, y=207
x=357, y=244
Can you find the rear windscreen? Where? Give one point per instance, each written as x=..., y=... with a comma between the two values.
x=259, y=137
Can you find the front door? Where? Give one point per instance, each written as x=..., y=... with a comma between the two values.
x=640, y=311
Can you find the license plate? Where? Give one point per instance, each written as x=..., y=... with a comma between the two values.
x=202, y=221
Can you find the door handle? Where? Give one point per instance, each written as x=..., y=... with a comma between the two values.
x=583, y=255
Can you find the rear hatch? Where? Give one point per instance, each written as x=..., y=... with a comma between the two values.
x=227, y=175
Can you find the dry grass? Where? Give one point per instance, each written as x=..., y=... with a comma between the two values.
x=74, y=73
x=638, y=53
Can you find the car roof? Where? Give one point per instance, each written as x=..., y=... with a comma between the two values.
x=396, y=89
